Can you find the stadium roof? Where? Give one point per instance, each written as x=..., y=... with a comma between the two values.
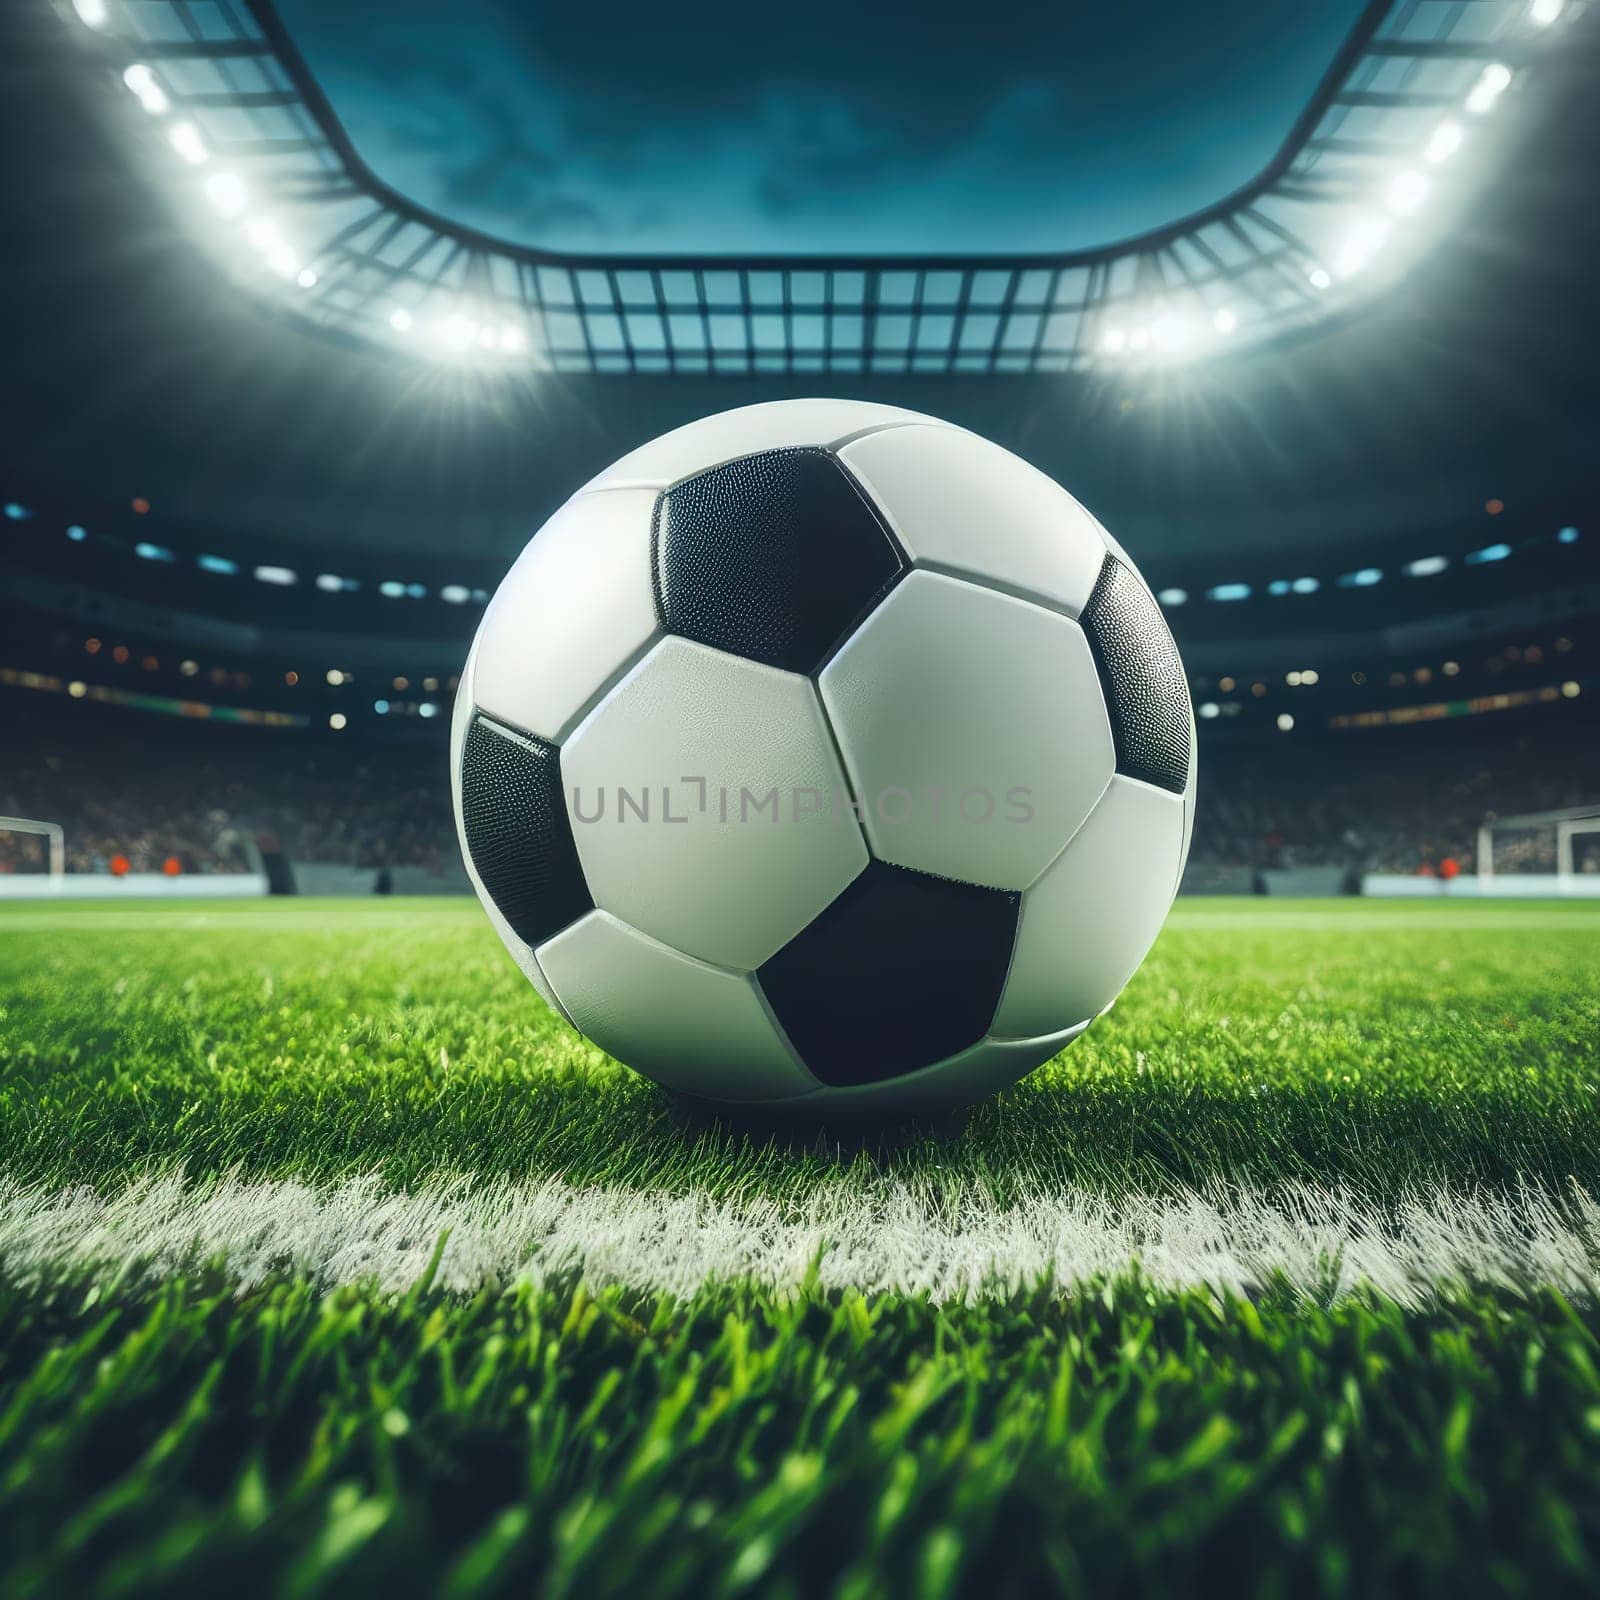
x=828, y=127
x=136, y=368
x=1397, y=139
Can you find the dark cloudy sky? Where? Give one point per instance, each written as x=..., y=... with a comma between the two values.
x=817, y=127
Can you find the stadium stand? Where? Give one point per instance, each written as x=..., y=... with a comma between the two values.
x=1400, y=802
x=1396, y=800
x=1354, y=527
x=203, y=798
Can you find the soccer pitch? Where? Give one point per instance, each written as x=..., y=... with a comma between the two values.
x=330, y=1259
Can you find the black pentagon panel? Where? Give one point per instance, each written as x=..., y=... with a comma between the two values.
x=772, y=557
x=515, y=818
x=901, y=970
x=1147, y=695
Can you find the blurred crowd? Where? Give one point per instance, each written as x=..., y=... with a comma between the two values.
x=128, y=807
x=1396, y=804
x=196, y=801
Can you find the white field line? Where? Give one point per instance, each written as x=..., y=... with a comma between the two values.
x=884, y=1235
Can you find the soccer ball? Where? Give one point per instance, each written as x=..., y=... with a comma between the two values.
x=824, y=755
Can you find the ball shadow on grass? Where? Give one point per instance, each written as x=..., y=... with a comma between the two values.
x=829, y=1138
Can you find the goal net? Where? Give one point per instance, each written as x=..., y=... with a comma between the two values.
x=28, y=846
x=1565, y=843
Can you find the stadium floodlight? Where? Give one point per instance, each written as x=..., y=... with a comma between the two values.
x=264, y=235
x=1320, y=278
x=142, y=81
x=226, y=191
x=1173, y=597
x=185, y=138
x=1443, y=143
x=1225, y=321
x=456, y=332
x=1365, y=239
x=1492, y=82
x=1172, y=333
x=1406, y=192
x=281, y=576
x=1543, y=12
x=91, y=13
x=1229, y=591
x=1490, y=552
x=1426, y=566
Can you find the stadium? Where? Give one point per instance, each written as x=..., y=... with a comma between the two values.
x=333, y=1257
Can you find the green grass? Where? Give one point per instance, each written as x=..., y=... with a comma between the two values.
x=1387, y=1046
x=161, y=1429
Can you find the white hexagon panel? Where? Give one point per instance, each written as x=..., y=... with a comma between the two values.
x=748, y=430
x=704, y=1030
x=708, y=806
x=973, y=728
x=575, y=610
x=1091, y=919
x=958, y=503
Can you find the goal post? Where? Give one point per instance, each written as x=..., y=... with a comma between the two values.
x=55, y=843
x=1565, y=826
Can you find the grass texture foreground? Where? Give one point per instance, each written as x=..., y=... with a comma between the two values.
x=332, y=1262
